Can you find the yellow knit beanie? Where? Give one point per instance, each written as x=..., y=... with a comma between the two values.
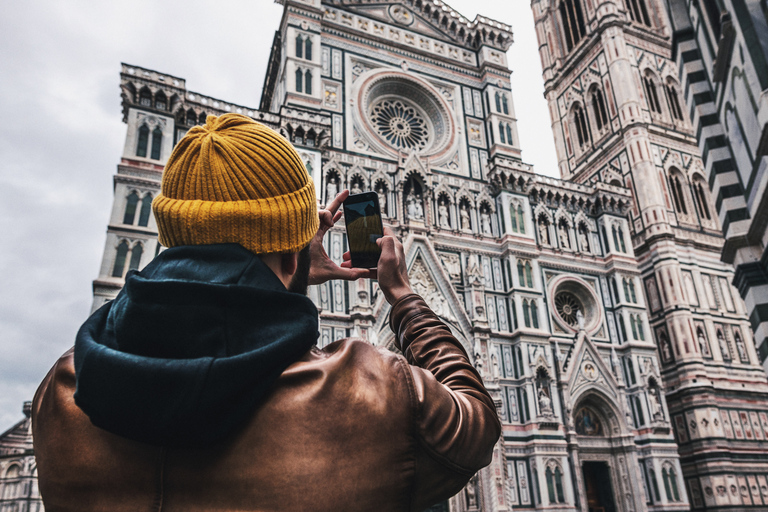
x=235, y=180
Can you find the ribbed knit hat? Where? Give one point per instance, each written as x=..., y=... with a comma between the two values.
x=236, y=180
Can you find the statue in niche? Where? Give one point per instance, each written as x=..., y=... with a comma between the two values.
x=703, y=346
x=655, y=401
x=465, y=222
x=472, y=492
x=565, y=242
x=495, y=365
x=741, y=348
x=413, y=206
x=723, y=347
x=331, y=189
x=665, y=350
x=543, y=231
x=545, y=403
x=583, y=240
x=485, y=222
x=580, y=319
x=356, y=187
x=382, y=200
x=442, y=215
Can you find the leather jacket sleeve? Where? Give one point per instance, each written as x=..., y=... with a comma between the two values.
x=456, y=421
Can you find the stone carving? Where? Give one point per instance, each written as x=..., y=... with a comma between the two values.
x=485, y=222
x=465, y=222
x=382, y=200
x=472, y=492
x=356, y=188
x=545, y=403
x=442, y=215
x=423, y=284
x=452, y=265
x=565, y=242
x=413, y=206
x=655, y=402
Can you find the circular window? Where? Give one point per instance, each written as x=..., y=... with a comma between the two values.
x=575, y=304
x=401, y=124
x=568, y=306
x=401, y=113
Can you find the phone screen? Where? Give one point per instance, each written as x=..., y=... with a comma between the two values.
x=363, y=219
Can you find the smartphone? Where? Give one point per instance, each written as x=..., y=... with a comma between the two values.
x=362, y=216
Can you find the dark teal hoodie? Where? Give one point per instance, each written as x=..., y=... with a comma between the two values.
x=190, y=347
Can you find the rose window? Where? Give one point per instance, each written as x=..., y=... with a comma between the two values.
x=567, y=305
x=400, y=124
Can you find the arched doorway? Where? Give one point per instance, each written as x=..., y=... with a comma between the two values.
x=605, y=456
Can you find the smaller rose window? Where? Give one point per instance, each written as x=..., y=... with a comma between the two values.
x=400, y=124
x=567, y=305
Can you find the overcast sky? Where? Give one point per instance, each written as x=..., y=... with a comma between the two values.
x=61, y=137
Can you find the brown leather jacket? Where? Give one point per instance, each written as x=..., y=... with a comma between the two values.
x=350, y=427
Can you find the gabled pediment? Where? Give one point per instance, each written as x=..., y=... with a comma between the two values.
x=430, y=280
x=586, y=369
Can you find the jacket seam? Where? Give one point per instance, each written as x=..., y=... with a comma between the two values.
x=415, y=411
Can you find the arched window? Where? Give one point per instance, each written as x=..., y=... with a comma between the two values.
x=502, y=138
x=615, y=237
x=626, y=288
x=534, y=314
x=157, y=142
x=191, y=118
x=621, y=240
x=528, y=274
x=676, y=184
x=638, y=12
x=632, y=290
x=623, y=327
x=141, y=146
x=640, y=330
x=633, y=324
x=559, y=486
x=504, y=105
x=513, y=218
x=615, y=290
x=673, y=100
x=521, y=272
x=520, y=218
x=605, y=239
x=498, y=101
x=161, y=102
x=598, y=105
x=136, y=253
x=526, y=313
x=308, y=82
x=299, y=80
x=202, y=118
x=509, y=134
x=145, y=98
x=654, y=483
x=146, y=210
x=670, y=483
x=299, y=46
x=640, y=415
x=130, y=208
x=651, y=94
x=573, y=22
x=550, y=477
x=701, y=198
x=122, y=253
x=582, y=130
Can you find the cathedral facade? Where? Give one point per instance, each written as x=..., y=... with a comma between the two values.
x=595, y=306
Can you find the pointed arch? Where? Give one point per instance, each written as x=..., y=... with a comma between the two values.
x=157, y=142
x=650, y=81
x=130, y=208
x=119, y=266
x=572, y=22
x=146, y=210
x=143, y=141
x=145, y=97
x=136, y=253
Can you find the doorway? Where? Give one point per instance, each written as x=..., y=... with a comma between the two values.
x=597, y=483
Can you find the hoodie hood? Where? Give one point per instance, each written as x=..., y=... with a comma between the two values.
x=190, y=347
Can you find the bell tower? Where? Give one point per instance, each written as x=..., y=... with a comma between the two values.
x=619, y=120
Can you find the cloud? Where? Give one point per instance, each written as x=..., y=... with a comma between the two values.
x=62, y=135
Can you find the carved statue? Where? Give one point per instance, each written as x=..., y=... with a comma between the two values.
x=485, y=221
x=665, y=351
x=413, y=204
x=356, y=188
x=656, y=410
x=382, y=200
x=331, y=190
x=465, y=223
x=545, y=403
x=442, y=215
x=472, y=492
x=703, y=344
x=580, y=319
x=543, y=232
x=565, y=242
x=495, y=366
x=583, y=240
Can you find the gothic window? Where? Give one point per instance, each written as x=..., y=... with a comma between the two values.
x=502, y=137
x=626, y=289
x=130, y=208
x=701, y=197
x=640, y=330
x=651, y=93
x=554, y=477
x=509, y=134
x=623, y=246
x=308, y=82
x=191, y=118
x=712, y=8
x=676, y=184
x=528, y=274
x=299, y=46
x=504, y=105
x=136, y=253
x=122, y=253
x=615, y=237
x=654, y=483
x=640, y=416
x=582, y=130
x=638, y=12
x=669, y=477
x=202, y=117
x=573, y=22
x=605, y=239
x=299, y=80
x=145, y=98
x=598, y=106
x=498, y=102
x=520, y=218
x=141, y=147
x=157, y=141
x=526, y=313
x=673, y=100
x=520, y=273
x=522, y=399
x=633, y=324
x=615, y=290
x=534, y=314
x=146, y=210
x=308, y=48
x=623, y=327
x=161, y=102
x=632, y=290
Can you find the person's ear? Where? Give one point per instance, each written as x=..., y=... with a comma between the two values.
x=289, y=263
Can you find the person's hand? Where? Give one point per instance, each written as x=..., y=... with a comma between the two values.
x=392, y=271
x=322, y=268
